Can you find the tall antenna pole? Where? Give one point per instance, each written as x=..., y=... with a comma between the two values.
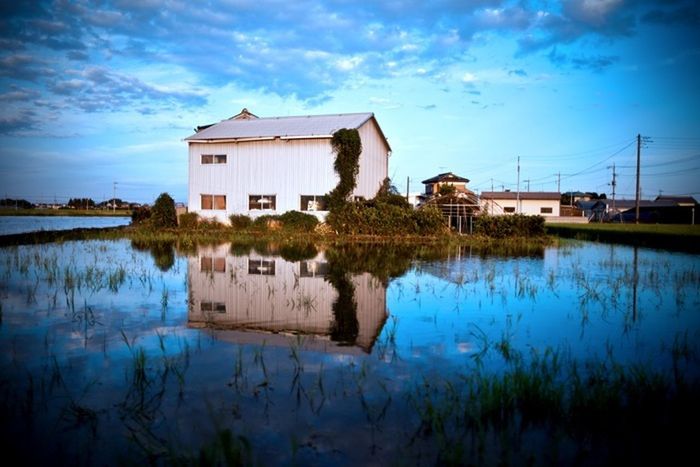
x=114, y=196
x=638, y=192
x=517, y=197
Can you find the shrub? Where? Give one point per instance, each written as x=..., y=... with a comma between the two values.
x=239, y=221
x=140, y=215
x=377, y=218
x=163, y=212
x=388, y=194
x=266, y=222
x=188, y=220
x=295, y=220
x=210, y=224
x=517, y=225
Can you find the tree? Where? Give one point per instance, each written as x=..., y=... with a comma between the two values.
x=163, y=212
x=446, y=189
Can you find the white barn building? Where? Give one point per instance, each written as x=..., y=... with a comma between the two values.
x=254, y=166
x=543, y=203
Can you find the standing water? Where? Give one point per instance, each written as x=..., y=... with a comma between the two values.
x=25, y=224
x=118, y=352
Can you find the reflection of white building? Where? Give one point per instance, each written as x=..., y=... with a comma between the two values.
x=270, y=294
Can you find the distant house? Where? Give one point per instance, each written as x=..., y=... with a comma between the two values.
x=254, y=166
x=542, y=203
x=595, y=210
x=685, y=201
x=432, y=185
x=661, y=210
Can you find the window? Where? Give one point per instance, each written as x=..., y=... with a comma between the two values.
x=219, y=307
x=313, y=269
x=208, y=264
x=213, y=158
x=214, y=202
x=262, y=202
x=509, y=209
x=265, y=267
x=314, y=203
x=545, y=210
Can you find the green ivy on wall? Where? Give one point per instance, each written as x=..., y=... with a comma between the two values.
x=347, y=147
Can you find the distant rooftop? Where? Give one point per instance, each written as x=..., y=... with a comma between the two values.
x=247, y=126
x=446, y=177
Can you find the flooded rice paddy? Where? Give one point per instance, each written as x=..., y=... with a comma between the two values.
x=24, y=224
x=113, y=352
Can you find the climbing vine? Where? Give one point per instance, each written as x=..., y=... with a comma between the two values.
x=347, y=147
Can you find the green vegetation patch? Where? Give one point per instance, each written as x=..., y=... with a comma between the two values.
x=667, y=236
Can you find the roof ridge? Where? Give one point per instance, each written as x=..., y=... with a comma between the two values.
x=280, y=117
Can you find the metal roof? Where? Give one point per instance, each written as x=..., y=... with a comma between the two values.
x=289, y=127
x=523, y=195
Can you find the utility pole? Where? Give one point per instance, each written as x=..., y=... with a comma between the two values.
x=559, y=182
x=613, y=184
x=637, y=193
x=408, y=180
x=517, y=196
x=528, y=185
x=114, y=196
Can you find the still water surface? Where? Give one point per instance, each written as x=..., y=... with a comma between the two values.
x=113, y=351
x=24, y=224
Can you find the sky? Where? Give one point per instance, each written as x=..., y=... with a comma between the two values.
x=96, y=97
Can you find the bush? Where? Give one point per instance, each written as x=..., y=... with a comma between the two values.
x=266, y=222
x=517, y=225
x=188, y=220
x=377, y=218
x=140, y=215
x=163, y=212
x=239, y=221
x=295, y=220
x=210, y=224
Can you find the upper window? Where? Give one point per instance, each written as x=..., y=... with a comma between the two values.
x=313, y=268
x=545, y=210
x=264, y=267
x=314, y=203
x=213, y=158
x=263, y=202
x=209, y=264
x=214, y=202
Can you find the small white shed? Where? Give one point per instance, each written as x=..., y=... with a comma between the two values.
x=543, y=203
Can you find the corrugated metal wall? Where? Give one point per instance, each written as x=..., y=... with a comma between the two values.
x=285, y=168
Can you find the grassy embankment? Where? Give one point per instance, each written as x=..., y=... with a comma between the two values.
x=666, y=236
x=188, y=239
x=65, y=212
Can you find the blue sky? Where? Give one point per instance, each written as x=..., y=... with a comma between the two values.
x=97, y=92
